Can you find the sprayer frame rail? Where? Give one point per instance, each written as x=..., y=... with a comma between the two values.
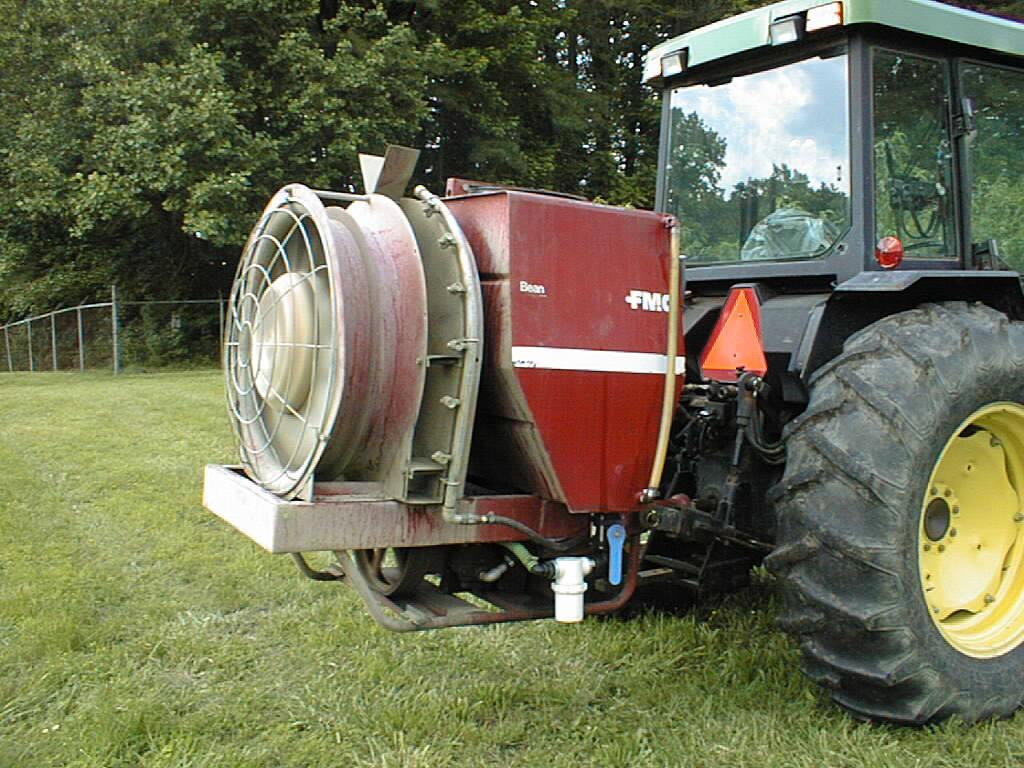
x=344, y=516
x=429, y=608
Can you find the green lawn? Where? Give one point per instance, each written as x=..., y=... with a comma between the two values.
x=136, y=629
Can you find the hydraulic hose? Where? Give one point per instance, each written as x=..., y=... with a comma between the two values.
x=668, y=402
x=537, y=538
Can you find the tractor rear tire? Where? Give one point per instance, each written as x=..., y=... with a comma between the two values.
x=862, y=516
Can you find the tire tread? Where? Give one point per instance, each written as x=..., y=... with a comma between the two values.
x=842, y=593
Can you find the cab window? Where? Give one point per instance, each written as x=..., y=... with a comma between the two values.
x=913, y=154
x=995, y=159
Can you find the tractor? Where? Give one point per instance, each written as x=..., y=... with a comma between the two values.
x=480, y=402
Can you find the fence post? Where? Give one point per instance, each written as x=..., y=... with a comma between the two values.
x=53, y=338
x=81, y=343
x=31, y=361
x=7, y=344
x=220, y=316
x=113, y=315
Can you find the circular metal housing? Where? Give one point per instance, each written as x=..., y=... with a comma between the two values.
x=325, y=340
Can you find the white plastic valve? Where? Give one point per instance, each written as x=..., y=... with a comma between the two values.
x=569, y=586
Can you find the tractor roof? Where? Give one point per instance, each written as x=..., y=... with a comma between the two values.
x=751, y=30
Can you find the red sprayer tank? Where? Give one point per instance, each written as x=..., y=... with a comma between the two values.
x=575, y=307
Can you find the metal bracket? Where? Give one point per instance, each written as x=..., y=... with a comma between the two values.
x=389, y=175
x=964, y=122
x=688, y=522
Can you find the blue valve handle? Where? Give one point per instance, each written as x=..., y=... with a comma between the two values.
x=616, y=542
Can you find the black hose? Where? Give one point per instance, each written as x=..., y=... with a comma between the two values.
x=758, y=428
x=534, y=536
x=771, y=453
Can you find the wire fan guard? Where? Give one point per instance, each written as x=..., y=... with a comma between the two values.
x=326, y=330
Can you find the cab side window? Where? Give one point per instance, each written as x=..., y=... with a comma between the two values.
x=913, y=159
x=995, y=159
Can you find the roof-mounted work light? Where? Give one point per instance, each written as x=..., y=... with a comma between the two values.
x=788, y=29
x=674, y=64
x=652, y=69
x=824, y=16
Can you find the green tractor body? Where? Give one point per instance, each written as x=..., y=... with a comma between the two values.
x=852, y=170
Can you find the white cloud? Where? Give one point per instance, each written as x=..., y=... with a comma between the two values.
x=764, y=120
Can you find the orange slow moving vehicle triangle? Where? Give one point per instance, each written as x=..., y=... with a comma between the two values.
x=735, y=342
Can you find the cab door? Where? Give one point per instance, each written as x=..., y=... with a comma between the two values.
x=915, y=190
x=992, y=99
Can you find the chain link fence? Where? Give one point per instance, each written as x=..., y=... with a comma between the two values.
x=114, y=334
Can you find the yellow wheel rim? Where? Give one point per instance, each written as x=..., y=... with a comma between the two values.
x=970, y=551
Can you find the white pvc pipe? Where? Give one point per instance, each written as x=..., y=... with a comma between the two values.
x=569, y=585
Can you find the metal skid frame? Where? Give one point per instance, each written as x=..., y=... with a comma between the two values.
x=344, y=517
x=430, y=608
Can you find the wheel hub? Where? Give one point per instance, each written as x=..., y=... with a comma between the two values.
x=969, y=558
x=936, y=519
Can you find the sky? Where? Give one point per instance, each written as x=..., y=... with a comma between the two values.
x=795, y=115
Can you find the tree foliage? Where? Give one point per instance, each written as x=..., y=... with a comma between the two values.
x=140, y=138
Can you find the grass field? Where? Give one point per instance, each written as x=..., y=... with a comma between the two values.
x=136, y=629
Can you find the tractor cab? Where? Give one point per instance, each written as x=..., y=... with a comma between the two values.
x=809, y=144
x=848, y=159
x=846, y=178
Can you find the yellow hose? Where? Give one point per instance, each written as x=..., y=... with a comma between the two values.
x=668, y=402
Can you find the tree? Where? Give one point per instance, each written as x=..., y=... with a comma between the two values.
x=140, y=138
x=605, y=42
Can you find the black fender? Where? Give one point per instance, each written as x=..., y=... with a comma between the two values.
x=870, y=296
x=803, y=331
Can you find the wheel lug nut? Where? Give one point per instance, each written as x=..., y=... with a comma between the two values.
x=927, y=547
x=956, y=510
x=989, y=599
x=1018, y=517
x=947, y=493
x=935, y=491
x=952, y=531
x=942, y=547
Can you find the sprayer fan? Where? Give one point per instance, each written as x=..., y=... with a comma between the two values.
x=327, y=323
